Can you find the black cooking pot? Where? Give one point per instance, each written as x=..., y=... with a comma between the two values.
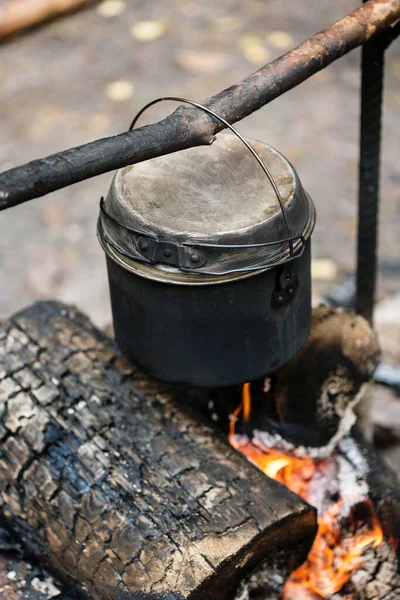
x=209, y=273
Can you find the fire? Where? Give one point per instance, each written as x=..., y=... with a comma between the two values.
x=342, y=537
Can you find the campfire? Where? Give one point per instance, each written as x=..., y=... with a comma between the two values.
x=347, y=522
x=124, y=490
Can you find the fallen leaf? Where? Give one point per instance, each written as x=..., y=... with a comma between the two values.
x=281, y=40
x=253, y=49
x=149, y=31
x=323, y=269
x=111, y=8
x=196, y=61
x=119, y=91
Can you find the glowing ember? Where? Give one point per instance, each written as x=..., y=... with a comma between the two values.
x=342, y=535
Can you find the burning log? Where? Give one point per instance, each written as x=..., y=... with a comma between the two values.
x=358, y=500
x=306, y=407
x=354, y=555
x=378, y=577
x=114, y=485
x=315, y=393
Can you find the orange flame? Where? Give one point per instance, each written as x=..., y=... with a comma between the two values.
x=244, y=406
x=246, y=400
x=336, y=554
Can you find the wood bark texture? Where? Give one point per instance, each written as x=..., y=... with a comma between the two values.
x=189, y=127
x=116, y=486
x=378, y=577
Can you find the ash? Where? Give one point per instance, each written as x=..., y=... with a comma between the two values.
x=275, y=441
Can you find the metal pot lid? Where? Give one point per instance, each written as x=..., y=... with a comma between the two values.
x=209, y=210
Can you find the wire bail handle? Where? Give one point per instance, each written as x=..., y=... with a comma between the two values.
x=245, y=142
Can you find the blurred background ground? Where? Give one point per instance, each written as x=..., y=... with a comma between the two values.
x=84, y=76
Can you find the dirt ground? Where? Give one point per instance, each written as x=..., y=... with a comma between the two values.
x=58, y=90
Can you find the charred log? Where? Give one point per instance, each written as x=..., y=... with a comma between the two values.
x=378, y=577
x=354, y=556
x=117, y=487
x=307, y=405
x=317, y=391
x=384, y=489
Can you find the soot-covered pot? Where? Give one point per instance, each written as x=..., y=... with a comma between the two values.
x=209, y=279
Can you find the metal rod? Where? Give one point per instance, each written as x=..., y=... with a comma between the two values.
x=188, y=127
x=372, y=73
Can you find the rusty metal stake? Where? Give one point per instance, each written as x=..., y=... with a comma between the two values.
x=372, y=74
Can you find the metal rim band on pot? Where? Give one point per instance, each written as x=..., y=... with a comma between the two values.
x=165, y=274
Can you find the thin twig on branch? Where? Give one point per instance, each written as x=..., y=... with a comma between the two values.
x=188, y=127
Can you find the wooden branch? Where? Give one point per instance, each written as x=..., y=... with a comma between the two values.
x=116, y=486
x=186, y=128
x=17, y=15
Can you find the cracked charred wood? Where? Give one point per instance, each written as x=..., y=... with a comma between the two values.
x=384, y=488
x=117, y=487
x=357, y=472
x=377, y=578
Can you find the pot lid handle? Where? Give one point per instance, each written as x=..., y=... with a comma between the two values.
x=245, y=142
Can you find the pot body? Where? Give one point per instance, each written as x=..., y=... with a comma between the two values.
x=211, y=335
